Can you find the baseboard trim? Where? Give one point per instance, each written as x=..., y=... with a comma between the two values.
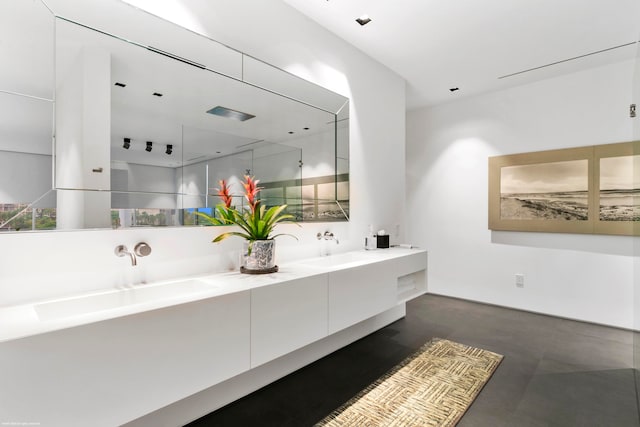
x=524, y=310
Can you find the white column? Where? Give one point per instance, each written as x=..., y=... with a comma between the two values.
x=83, y=133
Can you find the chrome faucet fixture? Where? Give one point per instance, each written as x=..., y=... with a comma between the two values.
x=121, y=251
x=327, y=236
x=142, y=249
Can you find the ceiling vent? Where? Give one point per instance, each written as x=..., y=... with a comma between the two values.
x=230, y=114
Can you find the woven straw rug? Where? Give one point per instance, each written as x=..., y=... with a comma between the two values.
x=433, y=387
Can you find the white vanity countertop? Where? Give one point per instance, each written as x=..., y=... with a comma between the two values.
x=46, y=316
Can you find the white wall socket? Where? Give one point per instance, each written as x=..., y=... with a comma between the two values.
x=520, y=280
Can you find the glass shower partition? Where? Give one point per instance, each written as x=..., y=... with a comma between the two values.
x=635, y=120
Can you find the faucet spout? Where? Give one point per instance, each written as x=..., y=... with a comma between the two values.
x=327, y=236
x=121, y=251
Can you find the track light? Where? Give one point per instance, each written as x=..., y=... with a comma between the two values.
x=127, y=143
x=169, y=149
x=149, y=146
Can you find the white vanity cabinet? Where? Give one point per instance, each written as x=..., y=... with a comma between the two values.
x=110, y=372
x=178, y=350
x=358, y=293
x=287, y=316
x=411, y=275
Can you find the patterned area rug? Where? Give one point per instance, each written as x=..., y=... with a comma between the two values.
x=433, y=387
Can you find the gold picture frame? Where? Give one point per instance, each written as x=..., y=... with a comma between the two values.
x=594, y=190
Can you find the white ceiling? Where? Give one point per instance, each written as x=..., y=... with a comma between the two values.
x=436, y=45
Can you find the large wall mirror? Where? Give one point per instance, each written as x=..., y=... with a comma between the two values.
x=130, y=133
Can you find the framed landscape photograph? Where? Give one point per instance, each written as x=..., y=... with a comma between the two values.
x=553, y=190
x=617, y=188
x=592, y=189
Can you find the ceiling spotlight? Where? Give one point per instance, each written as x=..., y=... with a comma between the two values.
x=120, y=84
x=453, y=89
x=127, y=143
x=149, y=146
x=158, y=94
x=169, y=149
x=363, y=20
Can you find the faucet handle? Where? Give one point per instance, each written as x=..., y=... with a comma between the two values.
x=328, y=235
x=121, y=250
x=142, y=249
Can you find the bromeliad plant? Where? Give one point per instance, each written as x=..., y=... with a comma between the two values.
x=256, y=223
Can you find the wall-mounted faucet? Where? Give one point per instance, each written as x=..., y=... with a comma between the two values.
x=327, y=236
x=141, y=249
x=121, y=250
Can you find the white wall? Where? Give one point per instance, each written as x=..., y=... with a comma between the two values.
x=585, y=277
x=41, y=265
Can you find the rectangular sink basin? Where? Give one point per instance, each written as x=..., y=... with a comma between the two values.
x=336, y=260
x=92, y=303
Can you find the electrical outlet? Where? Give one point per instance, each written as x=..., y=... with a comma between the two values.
x=520, y=280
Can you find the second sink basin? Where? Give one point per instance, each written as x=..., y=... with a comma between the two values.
x=119, y=298
x=337, y=260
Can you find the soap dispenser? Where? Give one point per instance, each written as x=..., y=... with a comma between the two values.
x=370, y=241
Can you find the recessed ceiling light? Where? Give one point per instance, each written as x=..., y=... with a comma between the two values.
x=453, y=89
x=305, y=128
x=157, y=94
x=291, y=132
x=230, y=114
x=363, y=20
x=120, y=84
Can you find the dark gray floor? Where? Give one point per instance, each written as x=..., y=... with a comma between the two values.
x=555, y=372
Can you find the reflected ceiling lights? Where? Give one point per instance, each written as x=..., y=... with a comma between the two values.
x=127, y=144
x=363, y=20
x=230, y=114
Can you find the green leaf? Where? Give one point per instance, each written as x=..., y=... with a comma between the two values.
x=210, y=219
x=285, y=234
x=273, y=212
x=223, y=236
